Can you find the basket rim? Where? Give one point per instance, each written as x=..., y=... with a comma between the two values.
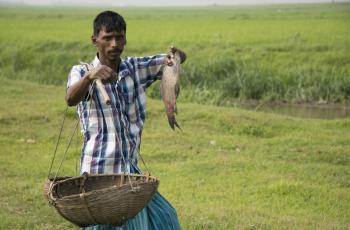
x=53, y=199
x=94, y=191
x=100, y=175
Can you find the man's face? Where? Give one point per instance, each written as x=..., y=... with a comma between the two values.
x=110, y=44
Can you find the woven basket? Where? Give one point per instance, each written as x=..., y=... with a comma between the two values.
x=48, y=184
x=100, y=198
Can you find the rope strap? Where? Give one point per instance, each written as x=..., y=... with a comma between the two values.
x=90, y=94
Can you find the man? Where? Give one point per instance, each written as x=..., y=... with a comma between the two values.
x=113, y=132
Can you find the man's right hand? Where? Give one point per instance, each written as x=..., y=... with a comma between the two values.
x=102, y=72
x=79, y=90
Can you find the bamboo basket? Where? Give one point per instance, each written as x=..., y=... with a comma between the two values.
x=49, y=182
x=100, y=198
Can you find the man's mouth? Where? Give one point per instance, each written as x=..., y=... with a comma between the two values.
x=115, y=52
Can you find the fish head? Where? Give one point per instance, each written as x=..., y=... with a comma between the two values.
x=177, y=58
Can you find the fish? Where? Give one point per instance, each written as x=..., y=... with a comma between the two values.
x=170, y=88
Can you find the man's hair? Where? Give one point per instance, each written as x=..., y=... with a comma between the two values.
x=110, y=21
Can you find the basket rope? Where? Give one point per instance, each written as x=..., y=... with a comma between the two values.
x=89, y=96
x=116, y=135
x=69, y=142
x=85, y=200
x=66, y=151
x=58, y=141
x=88, y=66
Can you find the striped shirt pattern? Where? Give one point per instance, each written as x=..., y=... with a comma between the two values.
x=114, y=131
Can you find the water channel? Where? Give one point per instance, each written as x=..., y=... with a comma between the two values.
x=304, y=111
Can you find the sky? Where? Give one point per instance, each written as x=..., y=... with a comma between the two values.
x=159, y=2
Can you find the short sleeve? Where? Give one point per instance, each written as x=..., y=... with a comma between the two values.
x=74, y=75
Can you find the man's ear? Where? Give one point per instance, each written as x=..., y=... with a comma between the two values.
x=93, y=40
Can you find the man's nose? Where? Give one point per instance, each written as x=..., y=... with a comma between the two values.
x=114, y=43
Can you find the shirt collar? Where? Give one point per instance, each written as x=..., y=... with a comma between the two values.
x=96, y=62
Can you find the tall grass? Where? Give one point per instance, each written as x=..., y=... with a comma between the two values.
x=290, y=53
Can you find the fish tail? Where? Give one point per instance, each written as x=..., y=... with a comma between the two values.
x=177, y=125
x=172, y=126
x=173, y=123
x=171, y=110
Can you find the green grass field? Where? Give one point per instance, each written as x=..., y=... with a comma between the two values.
x=229, y=168
x=288, y=53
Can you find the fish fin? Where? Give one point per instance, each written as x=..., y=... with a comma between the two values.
x=177, y=90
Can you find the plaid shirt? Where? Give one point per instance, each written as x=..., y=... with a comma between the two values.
x=114, y=131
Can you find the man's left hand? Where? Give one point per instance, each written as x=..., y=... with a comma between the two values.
x=170, y=55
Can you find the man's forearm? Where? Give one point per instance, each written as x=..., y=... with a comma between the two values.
x=77, y=92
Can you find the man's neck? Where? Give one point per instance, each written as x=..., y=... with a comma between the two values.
x=114, y=64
